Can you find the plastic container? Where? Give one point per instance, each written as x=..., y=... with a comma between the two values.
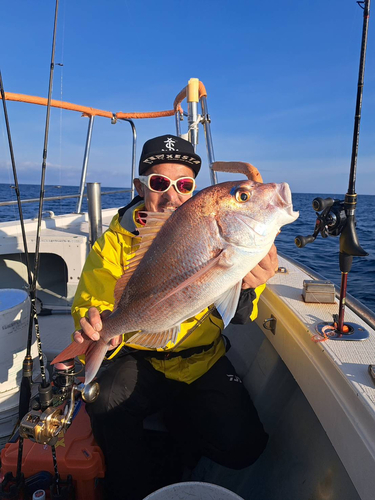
x=77, y=455
x=8, y=421
x=14, y=326
x=14, y=322
x=193, y=490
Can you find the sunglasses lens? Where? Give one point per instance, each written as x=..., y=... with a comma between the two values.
x=159, y=183
x=185, y=186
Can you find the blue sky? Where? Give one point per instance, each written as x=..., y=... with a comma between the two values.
x=281, y=80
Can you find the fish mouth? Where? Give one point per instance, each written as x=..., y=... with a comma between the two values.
x=283, y=199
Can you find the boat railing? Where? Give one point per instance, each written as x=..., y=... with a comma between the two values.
x=194, y=93
x=355, y=305
x=63, y=197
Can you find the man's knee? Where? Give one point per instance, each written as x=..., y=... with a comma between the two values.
x=117, y=384
x=238, y=451
x=99, y=408
x=246, y=449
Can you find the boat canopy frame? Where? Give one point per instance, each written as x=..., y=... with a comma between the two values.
x=194, y=92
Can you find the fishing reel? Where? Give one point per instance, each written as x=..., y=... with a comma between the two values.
x=46, y=427
x=330, y=222
x=53, y=413
x=337, y=218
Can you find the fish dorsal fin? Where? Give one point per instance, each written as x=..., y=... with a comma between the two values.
x=147, y=233
x=227, y=303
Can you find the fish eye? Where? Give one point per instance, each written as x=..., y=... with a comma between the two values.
x=242, y=195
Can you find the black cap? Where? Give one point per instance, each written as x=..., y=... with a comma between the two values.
x=168, y=149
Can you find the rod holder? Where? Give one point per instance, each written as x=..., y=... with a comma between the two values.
x=193, y=100
x=94, y=210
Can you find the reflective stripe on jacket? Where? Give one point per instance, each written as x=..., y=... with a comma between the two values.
x=106, y=264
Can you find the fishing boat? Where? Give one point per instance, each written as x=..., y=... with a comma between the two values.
x=310, y=377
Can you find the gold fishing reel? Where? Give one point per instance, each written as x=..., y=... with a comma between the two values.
x=47, y=426
x=43, y=427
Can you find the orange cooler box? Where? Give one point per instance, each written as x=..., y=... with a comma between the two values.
x=77, y=455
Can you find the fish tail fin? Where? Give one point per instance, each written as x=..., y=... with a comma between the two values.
x=94, y=357
x=94, y=354
x=73, y=350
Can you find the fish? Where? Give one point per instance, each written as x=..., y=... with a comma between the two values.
x=189, y=259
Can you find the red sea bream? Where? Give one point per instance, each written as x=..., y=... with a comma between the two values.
x=188, y=260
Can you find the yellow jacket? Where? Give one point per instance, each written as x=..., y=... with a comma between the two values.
x=106, y=264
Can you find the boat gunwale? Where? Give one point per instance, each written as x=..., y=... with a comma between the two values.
x=362, y=311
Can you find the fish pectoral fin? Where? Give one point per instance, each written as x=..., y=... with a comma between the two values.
x=227, y=303
x=191, y=280
x=155, y=339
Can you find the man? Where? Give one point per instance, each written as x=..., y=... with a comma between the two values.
x=206, y=409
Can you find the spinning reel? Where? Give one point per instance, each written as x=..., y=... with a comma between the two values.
x=337, y=218
x=330, y=222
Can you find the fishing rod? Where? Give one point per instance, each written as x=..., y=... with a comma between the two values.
x=27, y=367
x=45, y=385
x=49, y=418
x=337, y=217
x=45, y=390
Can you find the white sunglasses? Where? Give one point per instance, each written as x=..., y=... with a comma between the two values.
x=161, y=183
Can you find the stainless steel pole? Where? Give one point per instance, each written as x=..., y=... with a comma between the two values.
x=178, y=125
x=193, y=123
x=85, y=164
x=94, y=211
x=133, y=154
x=192, y=97
x=207, y=132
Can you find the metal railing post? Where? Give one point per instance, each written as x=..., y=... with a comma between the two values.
x=133, y=153
x=177, y=117
x=193, y=125
x=207, y=133
x=94, y=210
x=192, y=97
x=85, y=164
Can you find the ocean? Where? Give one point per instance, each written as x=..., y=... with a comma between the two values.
x=322, y=255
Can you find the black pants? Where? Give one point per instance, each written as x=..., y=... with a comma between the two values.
x=214, y=416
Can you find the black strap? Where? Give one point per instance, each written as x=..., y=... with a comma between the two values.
x=185, y=353
x=227, y=343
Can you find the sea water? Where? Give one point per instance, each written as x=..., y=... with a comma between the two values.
x=322, y=255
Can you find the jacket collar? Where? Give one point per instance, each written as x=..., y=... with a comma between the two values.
x=125, y=221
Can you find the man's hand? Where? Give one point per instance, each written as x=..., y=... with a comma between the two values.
x=263, y=271
x=91, y=327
